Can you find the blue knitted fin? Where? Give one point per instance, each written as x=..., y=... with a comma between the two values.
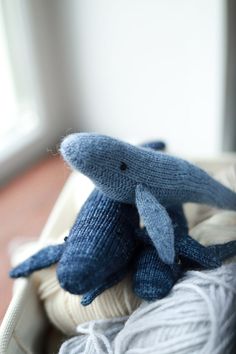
x=192, y=250
x=225, y=250
x=157, y=222
x=42, y=259
x=156, y=145
x=88, y=298
x=207, y=257
x=153, y=279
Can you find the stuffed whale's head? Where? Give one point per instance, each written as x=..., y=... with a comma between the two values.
x=115, y=167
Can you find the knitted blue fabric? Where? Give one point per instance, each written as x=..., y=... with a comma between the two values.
x=106, y=261
x=40, y=260
x=100, y=247
x=153, y=279
x=98, y=251
x=151, y=180
x=102, y=243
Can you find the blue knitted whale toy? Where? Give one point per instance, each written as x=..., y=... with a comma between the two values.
x=150, y=180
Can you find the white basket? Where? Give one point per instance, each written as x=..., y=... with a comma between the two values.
x=25, y=324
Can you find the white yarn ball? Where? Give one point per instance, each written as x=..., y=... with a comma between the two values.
x=65, y=311
x=197, y=317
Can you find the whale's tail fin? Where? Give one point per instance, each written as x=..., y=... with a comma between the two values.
x=40, y=260
x=224, y=251
x=219, y=196
x=156, y=145
x=207, y=190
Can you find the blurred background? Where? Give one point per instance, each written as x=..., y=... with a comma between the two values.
x=133, y=69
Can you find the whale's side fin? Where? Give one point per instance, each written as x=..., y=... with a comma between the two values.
x=157, y=222
x=156, y=145
x=112, y=280
x=152, y=278
x=225, y=250
x=42, y=259
x=205, y=256
x=193, y=251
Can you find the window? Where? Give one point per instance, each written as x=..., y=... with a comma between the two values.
x=33, y=104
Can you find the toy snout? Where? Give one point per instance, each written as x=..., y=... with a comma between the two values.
x=77, y=277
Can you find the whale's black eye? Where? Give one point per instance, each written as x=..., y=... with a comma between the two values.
x=123, y=166
x=65, y=238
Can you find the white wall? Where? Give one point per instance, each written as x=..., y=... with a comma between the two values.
x=151, y=68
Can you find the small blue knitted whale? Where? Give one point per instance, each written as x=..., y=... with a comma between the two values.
x=153, y=181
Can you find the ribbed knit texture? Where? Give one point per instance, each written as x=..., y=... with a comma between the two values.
x=158, y=223
x=40, y=260
x=151, y=180
x=101, y=243
x=204, y=304
x=153, y=279
x=171, y=180
x=65, y=310
x=98, y=252
x=104, y=244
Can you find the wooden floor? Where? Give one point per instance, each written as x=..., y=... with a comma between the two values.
x=24, y=208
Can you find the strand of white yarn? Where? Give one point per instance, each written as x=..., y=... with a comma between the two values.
x=95, y=337
x=197, y=317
